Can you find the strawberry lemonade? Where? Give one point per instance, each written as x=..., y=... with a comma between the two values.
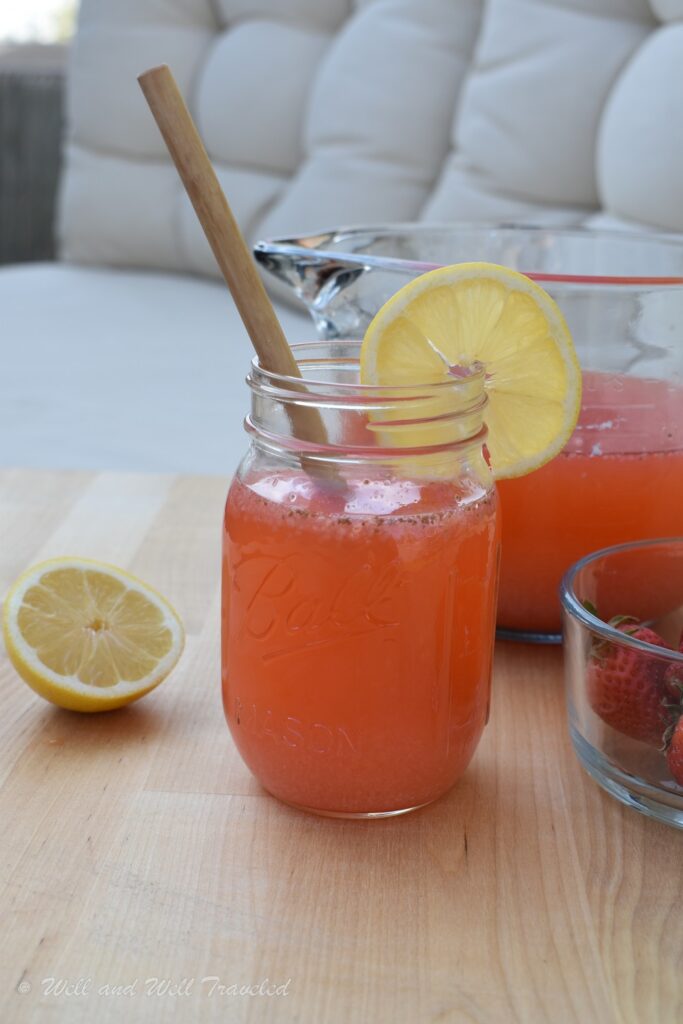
x=360, y=637
x=619, y=479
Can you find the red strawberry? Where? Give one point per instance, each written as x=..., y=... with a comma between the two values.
x=674, y=754
x=626, y=687
x=673, y=678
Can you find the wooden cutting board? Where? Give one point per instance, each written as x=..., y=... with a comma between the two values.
x=136, y=846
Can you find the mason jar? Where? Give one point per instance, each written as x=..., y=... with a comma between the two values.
x=360, y=555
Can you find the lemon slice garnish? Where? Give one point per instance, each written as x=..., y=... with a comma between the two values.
x=88, y=636
x=458, y=318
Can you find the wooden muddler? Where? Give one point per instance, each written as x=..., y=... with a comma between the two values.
x=225, y=238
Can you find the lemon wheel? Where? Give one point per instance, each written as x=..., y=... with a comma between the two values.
x=456, y=317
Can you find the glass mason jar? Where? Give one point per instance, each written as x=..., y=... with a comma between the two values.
x=359, y=587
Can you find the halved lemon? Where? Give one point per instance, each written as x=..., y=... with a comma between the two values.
x=88, y=636
x=451, y=320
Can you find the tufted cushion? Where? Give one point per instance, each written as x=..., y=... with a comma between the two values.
x=312, y=112
x=643, y=180
x=321, y=112
x=527, y=125
x=377, y=124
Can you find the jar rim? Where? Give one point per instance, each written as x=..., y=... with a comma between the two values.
x=363, y=420
x=475, y=374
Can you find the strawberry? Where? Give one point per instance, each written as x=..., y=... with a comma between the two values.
x=626, y=687
x=673, y=678
x=674, y=754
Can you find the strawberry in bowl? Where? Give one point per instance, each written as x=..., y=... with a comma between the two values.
x=626, y=686
x=624, y=672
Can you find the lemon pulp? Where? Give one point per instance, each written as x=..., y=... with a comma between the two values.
x=456, y=318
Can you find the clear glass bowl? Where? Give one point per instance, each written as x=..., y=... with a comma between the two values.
x=622, y=296
x=620, y=689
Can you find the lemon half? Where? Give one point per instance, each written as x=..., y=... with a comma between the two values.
x=451, y=319
x=88, y=636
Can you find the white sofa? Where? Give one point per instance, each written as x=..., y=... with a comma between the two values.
x=128, y=353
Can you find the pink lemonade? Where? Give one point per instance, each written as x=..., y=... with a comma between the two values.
x=357, y=636
x=619, y=479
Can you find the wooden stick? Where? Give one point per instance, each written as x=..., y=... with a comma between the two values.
x=225, y=238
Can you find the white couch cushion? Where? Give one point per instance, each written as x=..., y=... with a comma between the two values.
x=314, y=112
x=323, y=112
x=640, y=152
x=123, y=370
x=267, y=131
x=528, y=119
x=377, y=125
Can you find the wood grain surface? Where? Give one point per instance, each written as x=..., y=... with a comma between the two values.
x=136, y=846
